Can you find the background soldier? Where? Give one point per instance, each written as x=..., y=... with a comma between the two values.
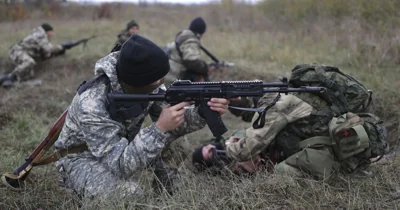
x=28, y=51
x=131, y=28
x=185, y=54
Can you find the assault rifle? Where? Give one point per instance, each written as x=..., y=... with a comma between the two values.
x=69, y=45
x=202, y=92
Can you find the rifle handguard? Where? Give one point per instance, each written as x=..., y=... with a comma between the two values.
x=68, y=45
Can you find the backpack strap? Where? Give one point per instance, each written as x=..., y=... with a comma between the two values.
x=180, y=52
x=177, y=46
x=324, y=140
x=86, y=84
x=332, y=85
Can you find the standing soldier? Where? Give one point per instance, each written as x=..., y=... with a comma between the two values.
x=185, y=54
x=36, y=46
x=131, y=28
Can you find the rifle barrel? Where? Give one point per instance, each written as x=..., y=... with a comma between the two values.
x=291, y=90
x=137, y=97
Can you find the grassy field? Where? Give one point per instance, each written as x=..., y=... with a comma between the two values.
x=264, y=41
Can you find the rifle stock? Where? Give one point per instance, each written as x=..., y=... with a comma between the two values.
x=15, y=179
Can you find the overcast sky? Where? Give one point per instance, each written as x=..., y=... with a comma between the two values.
x=158, y=1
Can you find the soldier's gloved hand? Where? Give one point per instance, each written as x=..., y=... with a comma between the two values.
x=232, y=139
x=211, y=68
x=226, y=64
x=171, y=117
x=61, y=52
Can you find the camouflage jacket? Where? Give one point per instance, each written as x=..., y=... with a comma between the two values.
x=189, y=60
x=288, y=109
x=122, y=37
x=123, y=147
x=37, y=45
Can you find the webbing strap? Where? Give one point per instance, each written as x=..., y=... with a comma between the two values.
x=324, y=140
x=59, y=154
x=330, y=84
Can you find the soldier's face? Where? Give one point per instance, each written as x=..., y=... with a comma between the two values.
x=251, y=166
x=133, y=30
x=142, y=90
x=207, y=152
x=49, y=34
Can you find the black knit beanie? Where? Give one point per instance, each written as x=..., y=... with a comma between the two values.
x=198, y=26
x=131, y=24
x=141, y=62
x=47, y=27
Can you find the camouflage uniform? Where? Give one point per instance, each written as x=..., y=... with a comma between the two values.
x=122, y=37
x=28, y=51
x=116, y=150
x=290, y=118
x=188, y=64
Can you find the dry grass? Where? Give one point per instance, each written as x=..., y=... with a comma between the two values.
x=265, y=43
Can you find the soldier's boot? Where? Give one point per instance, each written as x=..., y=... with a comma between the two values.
x=2, y=78
x=166, y=178
x=8, y=80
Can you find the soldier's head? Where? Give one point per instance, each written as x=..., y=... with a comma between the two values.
x=141, y=65
x=198, y=26
x=48, y=29
x=132, y=27
x=212, y=155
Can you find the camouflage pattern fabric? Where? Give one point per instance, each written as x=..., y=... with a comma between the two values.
x=122, y=37
x=289, y=108
x=189, y=64
x=291, y=122
x=117, y=150
x=29, y=50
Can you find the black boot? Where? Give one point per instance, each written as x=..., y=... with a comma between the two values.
x=166, y=178
x=7, y=80
x=3, y=78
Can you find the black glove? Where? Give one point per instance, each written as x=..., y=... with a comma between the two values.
x=62, y=52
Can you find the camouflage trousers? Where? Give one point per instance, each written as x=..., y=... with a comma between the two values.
x=317, y=162
x=24, y=63
x=88, y=177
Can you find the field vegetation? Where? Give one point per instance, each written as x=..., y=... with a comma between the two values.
x=266, y=40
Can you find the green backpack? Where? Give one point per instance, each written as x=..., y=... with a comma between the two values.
x=344, y=92
x=355, y=138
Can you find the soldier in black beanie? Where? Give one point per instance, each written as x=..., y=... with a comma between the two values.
x=117, y=144
x=141, y=63
x=198, y=26
x=185, y=54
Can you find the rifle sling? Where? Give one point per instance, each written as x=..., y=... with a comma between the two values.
x=261, y=109
x=59, y=154
x=208, y=53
